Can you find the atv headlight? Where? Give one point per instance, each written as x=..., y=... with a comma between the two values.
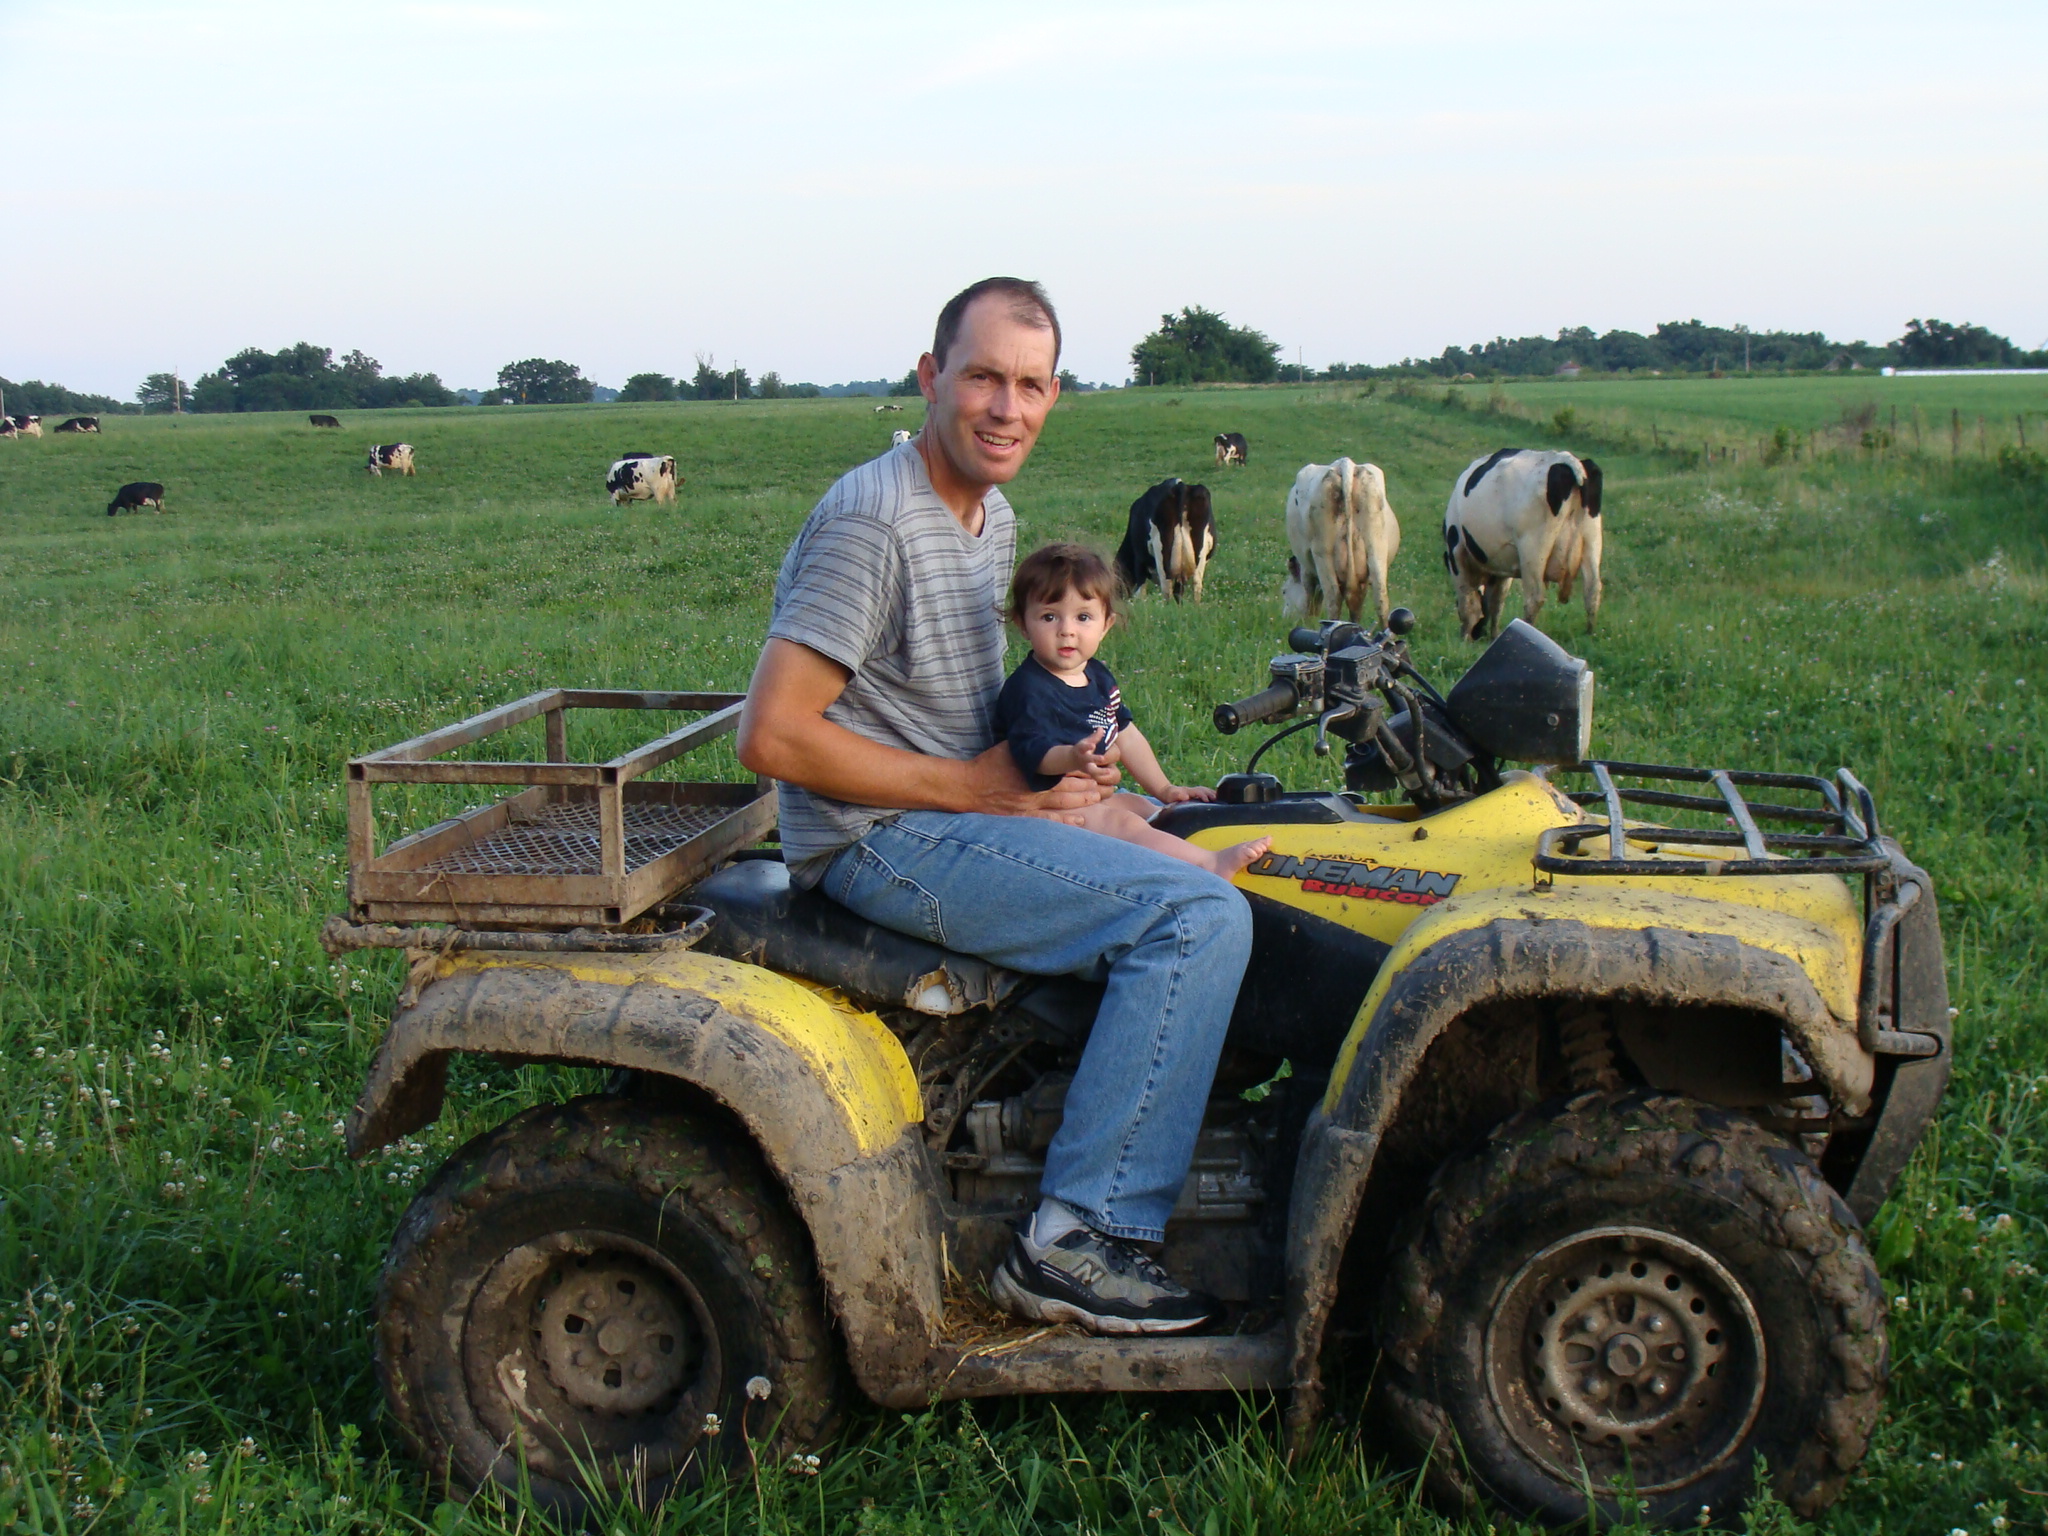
x=1526, y=699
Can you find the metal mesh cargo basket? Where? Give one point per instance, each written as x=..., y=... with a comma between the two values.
x=579, y=845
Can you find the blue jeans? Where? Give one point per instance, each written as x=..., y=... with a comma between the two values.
x=1054, y=900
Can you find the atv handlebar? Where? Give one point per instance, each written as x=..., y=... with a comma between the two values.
x=1305, y=638
x=1269, y=703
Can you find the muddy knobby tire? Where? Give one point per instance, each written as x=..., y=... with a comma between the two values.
x=1633, y=1290
x=575, y=1294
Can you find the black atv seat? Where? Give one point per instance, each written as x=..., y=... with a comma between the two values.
x=766, y=921
x=1298, y=999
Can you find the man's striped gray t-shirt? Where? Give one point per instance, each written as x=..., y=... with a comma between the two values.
x=883, y=580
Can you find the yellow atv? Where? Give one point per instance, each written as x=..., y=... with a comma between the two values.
x=1574, y=1113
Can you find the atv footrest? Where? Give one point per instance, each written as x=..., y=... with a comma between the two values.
x=1060, y=1360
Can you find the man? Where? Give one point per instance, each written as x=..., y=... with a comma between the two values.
x=872, y=705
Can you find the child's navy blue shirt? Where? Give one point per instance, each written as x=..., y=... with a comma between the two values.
x=1036, y=712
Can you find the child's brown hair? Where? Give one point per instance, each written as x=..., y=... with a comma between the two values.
x=1053, y=570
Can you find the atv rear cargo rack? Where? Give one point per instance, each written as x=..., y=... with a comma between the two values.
x=1845, y=844
x=581, y=845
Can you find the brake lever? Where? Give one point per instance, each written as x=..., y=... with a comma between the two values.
x=1329, y=718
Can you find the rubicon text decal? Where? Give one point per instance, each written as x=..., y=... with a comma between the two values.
x=1367, y=881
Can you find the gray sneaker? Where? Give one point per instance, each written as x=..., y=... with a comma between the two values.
x=1103, y=1283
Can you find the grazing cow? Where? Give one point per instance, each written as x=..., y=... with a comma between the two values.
x=1230, y=449
x=23, y=426
x=899, y=437
x=325, y=421
x=1344, y=536
x=135, y=496
x=392, y=456
x=1171, y=536
x=78, y=424
x=1523, y=513
x=642, y=477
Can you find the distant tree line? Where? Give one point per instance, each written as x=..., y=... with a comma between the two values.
x=1196, y=346
x=1937, y=344
x=33, y=397
x=1199, y=346
x=296, y=378
x=714, y=382
x=1690, y=346
x=540, y=381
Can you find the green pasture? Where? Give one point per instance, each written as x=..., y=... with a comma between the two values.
x=1950, y=417
x=186, y=1258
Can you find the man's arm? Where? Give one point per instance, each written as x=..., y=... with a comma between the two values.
x=784, y=734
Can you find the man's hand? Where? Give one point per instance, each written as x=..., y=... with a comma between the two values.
x=1000, y=790
x=784, y=734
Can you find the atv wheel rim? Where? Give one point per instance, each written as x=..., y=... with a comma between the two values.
x=1628, y=1355
x=545, y=1387
x=611, y=1334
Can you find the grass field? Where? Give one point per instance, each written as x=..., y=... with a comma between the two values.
x=186, y=1259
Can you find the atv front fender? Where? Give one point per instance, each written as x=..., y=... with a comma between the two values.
x=1498, y=949
x=825, y=1090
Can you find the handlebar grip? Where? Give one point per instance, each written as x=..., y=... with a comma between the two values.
x=1302, y=638
x=1269, y=703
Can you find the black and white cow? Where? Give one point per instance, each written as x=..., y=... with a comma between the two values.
x=21, y=426
x=1230, y=449
x=396, y=457
x=1171, y=536
x=78, y=424
x=136, y=495
x=1523, y=513
x=642, y=477
x=325, y=421
x=900, y=436
x=1343, y=536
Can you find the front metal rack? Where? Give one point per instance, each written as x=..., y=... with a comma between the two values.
x=1837, y=836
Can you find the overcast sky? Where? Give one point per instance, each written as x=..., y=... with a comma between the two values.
x=452, y=186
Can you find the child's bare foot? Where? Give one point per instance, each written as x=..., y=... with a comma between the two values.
x=1229, y=862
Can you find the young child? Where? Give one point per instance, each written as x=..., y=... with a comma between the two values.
x=1062, y=712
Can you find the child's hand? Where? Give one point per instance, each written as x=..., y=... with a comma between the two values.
x=1174, y=794
x=1082, y=758
x=1086, y=753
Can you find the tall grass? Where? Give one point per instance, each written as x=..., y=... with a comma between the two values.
x=186, y=1258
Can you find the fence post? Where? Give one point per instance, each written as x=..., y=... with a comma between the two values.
x=1916, y=429
x=2021, y=419
x=1955, y=433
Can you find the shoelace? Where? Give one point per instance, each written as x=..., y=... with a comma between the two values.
x=1126, y=1259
